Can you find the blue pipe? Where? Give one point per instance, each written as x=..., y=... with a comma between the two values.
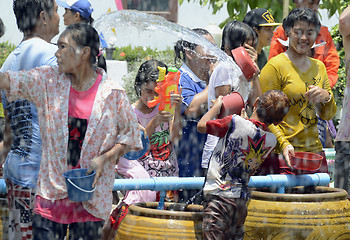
x=176, y=183
x=159, y=183
x=2, y=186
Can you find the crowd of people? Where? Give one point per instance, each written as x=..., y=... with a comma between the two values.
x=62, y=111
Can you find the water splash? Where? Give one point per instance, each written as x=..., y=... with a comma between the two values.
x=142, y=29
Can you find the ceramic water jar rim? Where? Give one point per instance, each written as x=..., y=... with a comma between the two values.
x=321, y=194
x=179, y=211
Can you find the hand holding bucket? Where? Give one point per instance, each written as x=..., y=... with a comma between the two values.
x=231, y=104
x=79, y=185
x=244, y=62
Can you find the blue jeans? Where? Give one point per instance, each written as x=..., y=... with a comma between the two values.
x=46, y=229
x=342, y=166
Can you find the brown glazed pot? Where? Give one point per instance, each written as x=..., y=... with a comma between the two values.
x=322, y=213
x=145, y=221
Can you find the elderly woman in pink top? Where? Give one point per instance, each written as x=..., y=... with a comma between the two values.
x=86, y=121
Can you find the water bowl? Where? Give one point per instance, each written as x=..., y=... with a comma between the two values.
x=134, y=155
x=244, y=62
x=231, y=104
x=79, y=185
x=306, y=161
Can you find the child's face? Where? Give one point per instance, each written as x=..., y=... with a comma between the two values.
x=148, y=92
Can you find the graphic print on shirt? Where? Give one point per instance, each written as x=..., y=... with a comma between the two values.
x=77, y=129
x=307, y=113
x=160, y=145
x=21, y=126
x=235, y=159
x=254, y=155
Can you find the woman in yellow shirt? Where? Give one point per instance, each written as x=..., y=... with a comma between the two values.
x=306, y=84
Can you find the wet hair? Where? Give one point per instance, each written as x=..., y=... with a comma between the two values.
x=83, y=19
x=147, y=72
x=272, y=106
x=181, y=45
x=85, y=35
x=2, y=28
x=312, y=2
x=303, y=15
x=235, y=34
x=27, y=12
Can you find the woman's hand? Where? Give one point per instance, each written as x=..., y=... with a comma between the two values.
x=254, y=56
x=288, y=150
x=317, y=95
x=252, y=52
x=96, y=165
x=4, y=81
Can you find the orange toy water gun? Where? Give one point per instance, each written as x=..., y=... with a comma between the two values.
x=166, y=84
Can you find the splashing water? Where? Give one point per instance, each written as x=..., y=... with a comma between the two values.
x=142, y=29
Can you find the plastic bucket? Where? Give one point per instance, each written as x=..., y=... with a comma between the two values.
x=306, y=161
x=244, y=62
x=134, y=155
x=231, y=104
x=79, y=185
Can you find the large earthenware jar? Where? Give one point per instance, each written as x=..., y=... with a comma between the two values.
x=178, y=221
x=321, y=213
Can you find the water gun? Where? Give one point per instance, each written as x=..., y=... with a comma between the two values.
x=166, y=84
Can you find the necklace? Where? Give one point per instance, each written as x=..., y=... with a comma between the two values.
x=87, y=86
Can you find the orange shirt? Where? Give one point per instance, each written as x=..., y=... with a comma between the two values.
x=327, y=53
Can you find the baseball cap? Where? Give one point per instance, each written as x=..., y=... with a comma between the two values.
x=260, y=17
x=83, y=7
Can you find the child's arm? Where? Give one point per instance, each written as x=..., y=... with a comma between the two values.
x=176, y=124
x=159, y=118
x=211, y=114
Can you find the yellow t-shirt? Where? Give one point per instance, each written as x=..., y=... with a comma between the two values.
x=299, y=126
x=1, y=111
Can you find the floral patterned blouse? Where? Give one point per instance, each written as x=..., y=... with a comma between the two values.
x=112, y=121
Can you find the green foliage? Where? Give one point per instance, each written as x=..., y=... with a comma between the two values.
x=238, y=8
x=338, y=89
x=135, y=56
x=5, y=49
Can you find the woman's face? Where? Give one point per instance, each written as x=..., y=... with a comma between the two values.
x=200, y=59
x=69, y=17
x=301, y=37
x=148, y=92
x=312, y=4
x=68, y=54
x=265, y=35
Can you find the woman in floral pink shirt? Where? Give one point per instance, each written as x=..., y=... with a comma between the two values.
x=85, y=121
